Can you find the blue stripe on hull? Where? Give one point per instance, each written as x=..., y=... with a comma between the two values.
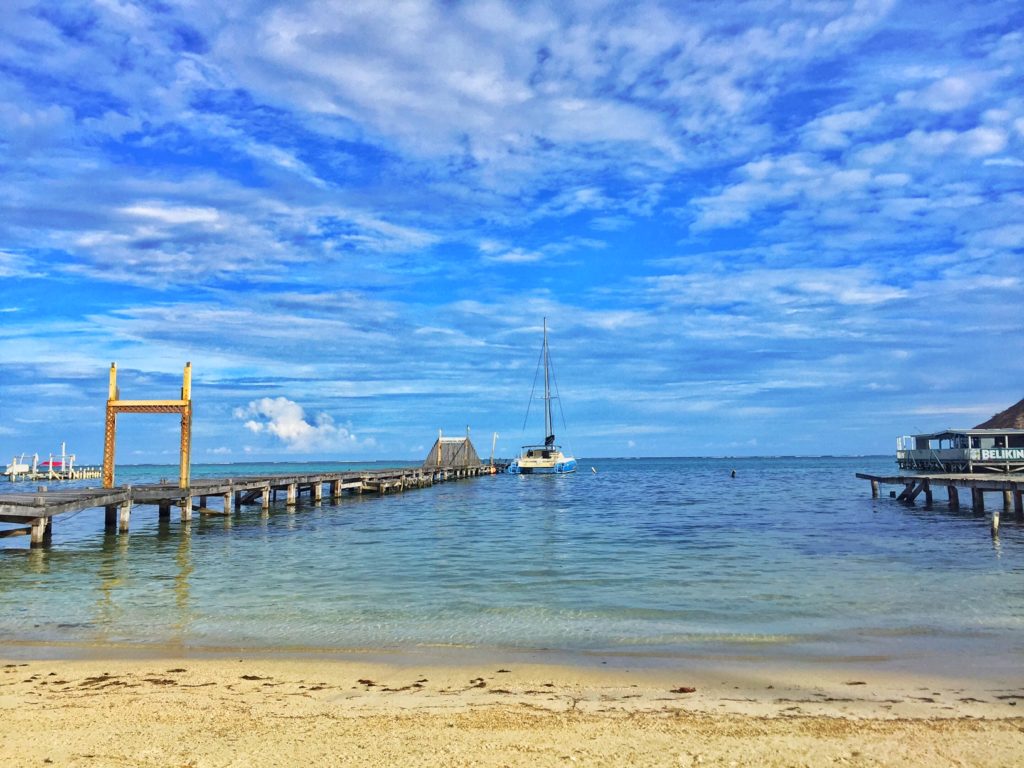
x=559, y=469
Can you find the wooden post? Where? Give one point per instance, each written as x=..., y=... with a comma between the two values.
x=124, y=516
x=1007, y=501
x=265, y=499
x=293, y=493
x=110, y=431
x=110, y=517
x=927, y=493
x=165, y=509
x=335, y=490
x=995, y=521
x=185, y=468
x=874, y=483
x=318, y=492
x=954, y=497
x=40, y=531
x=978, y=499
x=227, y=503
x=186, y=508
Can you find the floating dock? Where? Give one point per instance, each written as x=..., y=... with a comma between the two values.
x=1010, y=486
x=34, y=513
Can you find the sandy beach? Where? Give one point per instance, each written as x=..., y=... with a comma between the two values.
x=259, y=711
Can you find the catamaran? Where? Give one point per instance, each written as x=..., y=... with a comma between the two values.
x=547, y=458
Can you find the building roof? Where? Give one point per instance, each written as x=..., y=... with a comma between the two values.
x=969, y=432
x=1011, y=418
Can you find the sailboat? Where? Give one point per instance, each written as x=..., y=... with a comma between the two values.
x=547, y=458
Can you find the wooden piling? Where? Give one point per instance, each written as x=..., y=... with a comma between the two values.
x=978, y=500
x=110, y=517
x=293, y=495
x=124, y=516
x=165, y=509
x=41, y=531
x=186, y=508
x=318, y=492
x=265, y=499
x=1018, y=506
x=954, y=497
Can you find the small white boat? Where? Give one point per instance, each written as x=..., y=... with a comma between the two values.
x=18, y=467
x=546, y=459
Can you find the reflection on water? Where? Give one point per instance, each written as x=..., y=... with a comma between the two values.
x=112, y=561
x=651, y=555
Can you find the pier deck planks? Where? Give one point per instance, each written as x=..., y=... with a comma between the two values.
x=1011, y=486
x=38, y=508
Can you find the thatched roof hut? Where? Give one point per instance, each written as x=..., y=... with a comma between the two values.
x=1011, y=418
x=455, y=452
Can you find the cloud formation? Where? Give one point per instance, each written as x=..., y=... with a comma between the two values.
x=734, y=215
x=286, y=420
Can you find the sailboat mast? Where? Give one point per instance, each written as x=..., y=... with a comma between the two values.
x=549, y=437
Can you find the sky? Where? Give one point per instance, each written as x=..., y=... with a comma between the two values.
x=754, y=228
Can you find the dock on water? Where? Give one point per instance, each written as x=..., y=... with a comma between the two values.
x=33, y=513
x=1010, y=486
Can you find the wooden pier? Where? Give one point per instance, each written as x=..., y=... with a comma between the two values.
x=33, y=513
x=1010, y=486
x=56, y=475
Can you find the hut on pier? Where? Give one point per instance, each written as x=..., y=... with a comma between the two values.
x=456, y=452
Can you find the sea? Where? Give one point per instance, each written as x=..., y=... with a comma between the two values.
x=628, y=561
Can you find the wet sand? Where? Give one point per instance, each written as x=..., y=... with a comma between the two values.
x=259, y=711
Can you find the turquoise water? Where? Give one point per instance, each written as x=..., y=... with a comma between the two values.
x=642, y=558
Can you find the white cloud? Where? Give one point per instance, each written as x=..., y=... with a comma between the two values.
x=171, y=214
x=286, y=420
x=948, y=94
x=983, y=140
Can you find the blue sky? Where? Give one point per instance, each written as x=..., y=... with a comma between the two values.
x=754, y=228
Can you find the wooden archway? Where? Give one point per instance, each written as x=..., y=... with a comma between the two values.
x=116, y=405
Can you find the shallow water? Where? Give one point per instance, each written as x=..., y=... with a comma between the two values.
x=642, y=558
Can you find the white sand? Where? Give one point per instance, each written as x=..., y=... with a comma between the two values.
x=349, y=711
